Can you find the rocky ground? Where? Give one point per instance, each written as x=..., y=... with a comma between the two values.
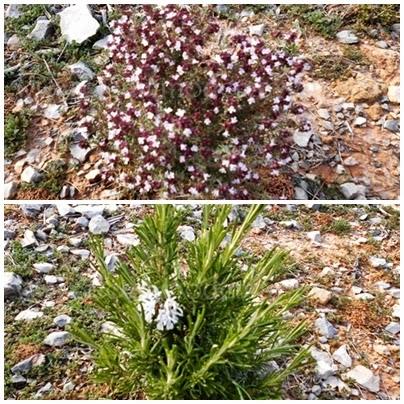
x=351, y=94
x=348, y=256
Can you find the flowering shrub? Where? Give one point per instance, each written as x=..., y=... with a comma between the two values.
x=186, y=112
x=189, y=320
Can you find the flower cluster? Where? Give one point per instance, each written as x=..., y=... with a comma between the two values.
x=188, y=114
x=165, y=313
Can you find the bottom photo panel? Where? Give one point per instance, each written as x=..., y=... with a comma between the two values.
x=208, y=301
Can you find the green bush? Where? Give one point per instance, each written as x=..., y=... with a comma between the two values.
x=191, y=320
x=15, y=129
x=370, y=15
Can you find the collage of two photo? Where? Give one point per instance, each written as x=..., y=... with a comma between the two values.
x=201, y=201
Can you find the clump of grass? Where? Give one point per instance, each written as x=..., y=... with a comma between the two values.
x=315, y=18
x=393, y=220
x=339, y=227
x=20, y=259
x=15, y=131
x=373, y=15
x=337, y=66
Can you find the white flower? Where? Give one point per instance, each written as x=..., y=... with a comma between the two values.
x=180, y=113
x=169, y=314
x=148, y=299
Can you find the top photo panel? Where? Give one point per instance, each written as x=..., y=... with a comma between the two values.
x=229, y=102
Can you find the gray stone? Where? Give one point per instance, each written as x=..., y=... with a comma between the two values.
x=393, y=328
x=364, y=297
x=128, y=239
x=29, y=239
x=26, y=365
x=360, y=121
x=323, y=296
x=9, y=234
x=98, y=225
x=324, y=114
x=68, y=387
x=353, y=191
x=396, y=311
x=301, y=194
x=377, y=262
x=382, y=44
x=82, y=221
x=186, y=233
x=101, y=43
x=82, y=253
x=302, y=139
x=64, y=210
x=110, y=328
x=10, y=189
x=52, y=111
x=44, y=390
x=324, y=364
x=314, y=236
x=93, y=175
x=43, y=267
x=77, y=24
x=222, y=9
x=79, y=153
x=341, y=356
x=392, y=125
x=347, y=37
x=259, y=223
x=394, y=94
x=395, y=292
x=18, y=381
x=364, y=377
x=13, y=11
x=110, y=261
x=257, y=29
x=289, y=284
x=396, y=28
x=336, y=383
x=28, y=315
x=100, y=90
x=42, y=30
x=325, y=328
x=82, y=71
x=31, y=210
x=62, y=320
x=90, y=211
x=51, y=279
x=30, y=175
x=33, y=156
x=57, y=338
x=12, y=284
x=14, y=42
